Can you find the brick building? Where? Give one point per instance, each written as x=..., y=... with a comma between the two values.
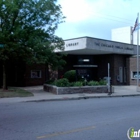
x=88, y=56
x=20, y=74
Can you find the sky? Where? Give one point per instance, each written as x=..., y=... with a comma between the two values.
x=96, y=18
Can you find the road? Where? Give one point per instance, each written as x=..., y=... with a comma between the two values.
x=89, y=119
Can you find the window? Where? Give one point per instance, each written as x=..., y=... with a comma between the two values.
x=35, y=73
x=134, y=75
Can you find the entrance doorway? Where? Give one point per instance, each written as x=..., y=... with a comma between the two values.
x=87, y=73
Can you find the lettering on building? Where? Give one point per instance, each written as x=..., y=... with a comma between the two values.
x=119, y=47
x=72, y=44
x=130, y=48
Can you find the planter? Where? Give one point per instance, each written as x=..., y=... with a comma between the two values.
x=73, y=90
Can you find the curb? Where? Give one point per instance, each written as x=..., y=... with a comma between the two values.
x=79, y=98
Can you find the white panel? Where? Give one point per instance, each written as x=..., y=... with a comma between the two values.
x=122, y=34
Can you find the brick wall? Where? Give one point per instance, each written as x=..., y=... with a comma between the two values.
x=102, y=62
x=119, y=61
x=115, y=60
x=133, y=67
x=128, y=70
x=29, y=81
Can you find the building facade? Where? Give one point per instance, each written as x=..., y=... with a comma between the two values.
x=90, y=58
x=21, y=74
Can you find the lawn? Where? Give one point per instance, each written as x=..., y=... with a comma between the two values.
x=14, y=92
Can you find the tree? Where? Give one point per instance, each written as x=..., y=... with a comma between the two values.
x=27, y=30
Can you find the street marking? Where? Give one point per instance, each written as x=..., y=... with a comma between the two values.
x=66, y=132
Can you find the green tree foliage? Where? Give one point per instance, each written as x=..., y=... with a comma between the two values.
x=27, y=29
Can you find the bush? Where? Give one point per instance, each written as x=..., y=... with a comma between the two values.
x=49, y=82
x=78, y=84
x=62, y=82
x=70, y=75
x=102, y=82
x=93, y=83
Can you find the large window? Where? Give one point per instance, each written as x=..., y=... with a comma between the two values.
x=35, y=73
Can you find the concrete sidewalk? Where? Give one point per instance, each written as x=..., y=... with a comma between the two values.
x=40, y=95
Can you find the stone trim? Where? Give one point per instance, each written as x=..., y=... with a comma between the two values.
x=73, y=90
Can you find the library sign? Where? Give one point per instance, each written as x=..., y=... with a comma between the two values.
x=71, y=44
x=121, y=47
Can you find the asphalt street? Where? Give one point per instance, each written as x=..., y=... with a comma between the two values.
x=86, y=119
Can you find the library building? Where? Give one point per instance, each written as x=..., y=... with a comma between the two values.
x=90, y=58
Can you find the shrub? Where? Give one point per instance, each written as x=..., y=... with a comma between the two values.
x=62, y=82
x=102, y=82
x=78, y=84
x=93, y=83
x=49, y=82
x=71, y=84
x=70, y=75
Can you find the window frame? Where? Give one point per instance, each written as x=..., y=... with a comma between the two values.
x=37, y=75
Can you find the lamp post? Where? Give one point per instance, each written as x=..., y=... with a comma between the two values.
x=108, y=81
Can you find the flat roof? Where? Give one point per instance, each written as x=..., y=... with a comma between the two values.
x=90, y=45
x=98, y=39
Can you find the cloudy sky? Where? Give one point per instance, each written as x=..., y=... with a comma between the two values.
x=96, y=18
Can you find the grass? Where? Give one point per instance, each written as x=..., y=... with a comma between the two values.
x=14, y=92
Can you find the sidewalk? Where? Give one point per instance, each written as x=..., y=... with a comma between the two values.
x=40, y=95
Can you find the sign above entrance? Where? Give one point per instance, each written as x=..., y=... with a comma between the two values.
x=89, y=45
x=114, y=46
x=72, y=44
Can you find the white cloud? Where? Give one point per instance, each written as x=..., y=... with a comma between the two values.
x=75, y=10
x=96, y=18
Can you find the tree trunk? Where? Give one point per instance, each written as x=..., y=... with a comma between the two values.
x=4, y=77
